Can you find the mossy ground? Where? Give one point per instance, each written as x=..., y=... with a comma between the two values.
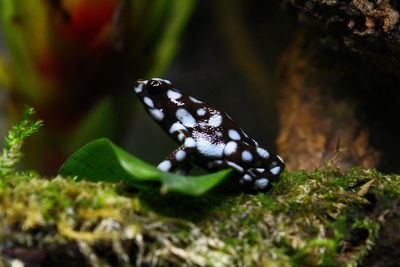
x=323, y=218
x=327, y=218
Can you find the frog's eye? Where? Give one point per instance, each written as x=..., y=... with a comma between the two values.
x=155, y=87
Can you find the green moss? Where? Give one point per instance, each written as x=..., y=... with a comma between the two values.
x=307, y=219
x=312, y=218
x=13, y=142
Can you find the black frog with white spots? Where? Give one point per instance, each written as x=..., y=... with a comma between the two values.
x=208, y=137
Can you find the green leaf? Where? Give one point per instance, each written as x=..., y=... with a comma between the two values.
x=101, y=160
x=192, y=185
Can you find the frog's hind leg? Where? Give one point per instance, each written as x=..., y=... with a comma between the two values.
x=257, y=166
x=257, y=179
x=242, y=156
x=177, y=160
x=250, y=179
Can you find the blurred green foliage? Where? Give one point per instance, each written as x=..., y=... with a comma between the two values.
x=74, y=61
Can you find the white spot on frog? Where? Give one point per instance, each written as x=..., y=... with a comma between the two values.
x=162, y=80
x=180, y=155
x=233, y=134
x=215, y=120
x=176, y=127
x=230, y=148
x=261, y=183
x=275, y=170
x=157, y=114
x=185, y=117
x=189, y=142
x=139, y=87
x=262, y=152
x=181, y=136
x=247, y=177
x=165, y=165
x=201, y=112
x=235, y=166
x=209, y=149
x=260, y=170
x=195, y=100
x=148, y=101
x=247, y=156
x=173, y=94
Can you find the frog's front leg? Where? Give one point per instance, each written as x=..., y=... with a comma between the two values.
x=179, y=158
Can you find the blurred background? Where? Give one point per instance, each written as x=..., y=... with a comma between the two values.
x=76, y=61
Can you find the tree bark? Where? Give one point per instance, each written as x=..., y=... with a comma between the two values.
x=317, y=112
x=366, y=27
x=339, y=86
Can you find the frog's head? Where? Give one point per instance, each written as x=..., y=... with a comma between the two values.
x=155, y=88
x=158, y=96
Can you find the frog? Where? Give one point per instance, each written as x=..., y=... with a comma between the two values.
x=207, y=137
